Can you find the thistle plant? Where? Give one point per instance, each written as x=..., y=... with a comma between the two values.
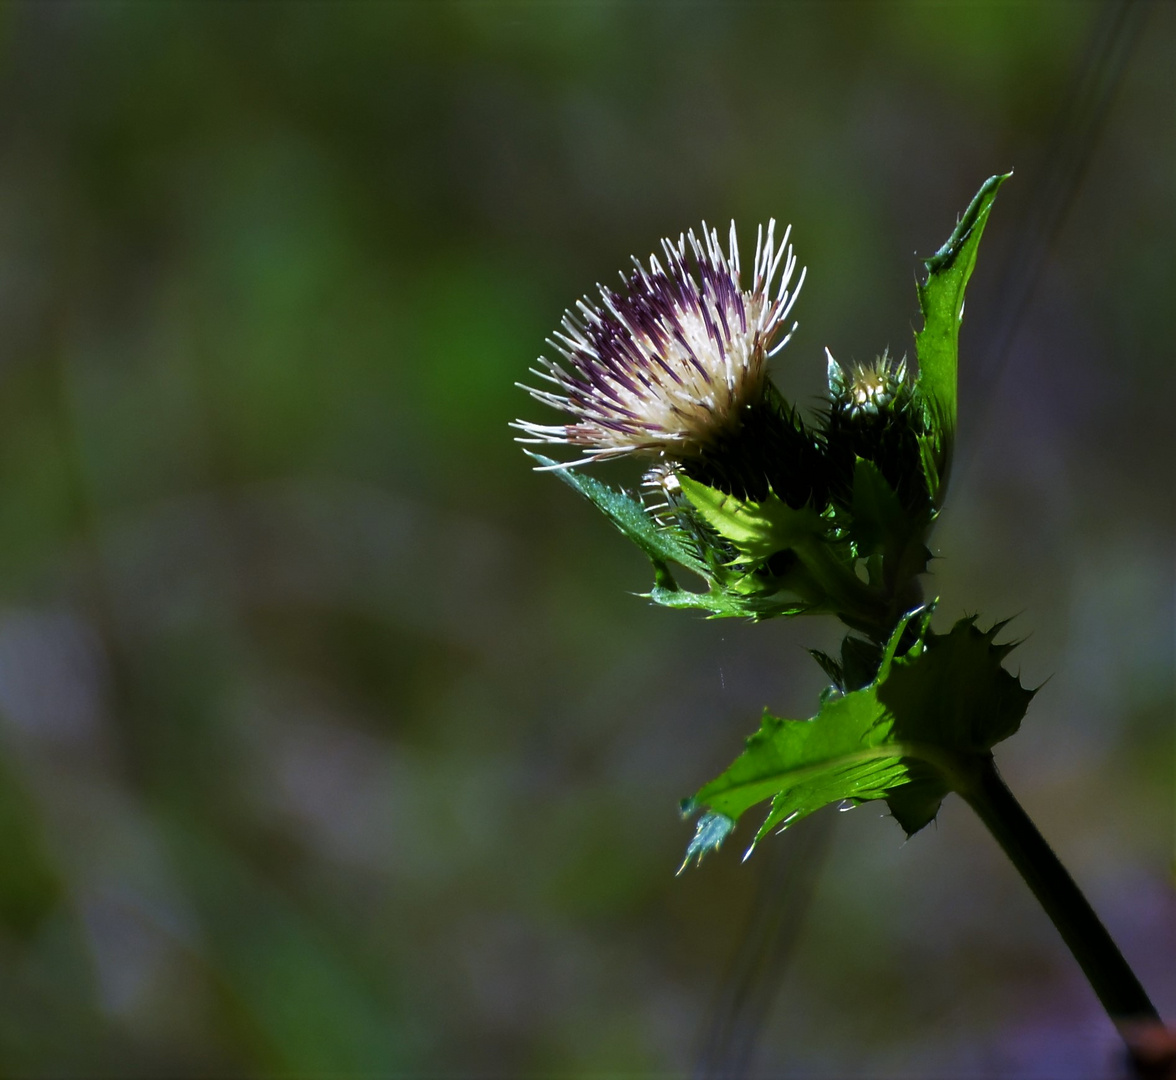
x=777, y=515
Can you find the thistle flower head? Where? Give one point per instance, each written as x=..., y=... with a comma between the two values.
x=666, y=365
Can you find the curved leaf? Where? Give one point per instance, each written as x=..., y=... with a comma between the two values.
x=941, y=300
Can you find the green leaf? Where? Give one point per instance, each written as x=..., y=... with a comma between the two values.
x=954, y=690
x=905, y=737
x=955, y=693
x=880, y=525
x=941, y=299
x=756, y=529
x=916, y=804
x=845, y=752
x=660, y=543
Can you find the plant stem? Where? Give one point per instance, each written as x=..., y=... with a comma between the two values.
x=1112, y=979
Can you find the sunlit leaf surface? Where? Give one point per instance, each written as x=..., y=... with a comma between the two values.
x=901, y=738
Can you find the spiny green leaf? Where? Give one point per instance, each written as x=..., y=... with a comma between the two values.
x=955, y=692
x=903, y=737
x=916, y=803
x=660, y=543
x=941, y=299
x=845, y=752
x=757, y=529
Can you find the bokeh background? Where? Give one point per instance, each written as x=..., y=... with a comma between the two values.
x=334, y=741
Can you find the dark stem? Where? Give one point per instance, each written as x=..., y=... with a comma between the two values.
x=1113, y=981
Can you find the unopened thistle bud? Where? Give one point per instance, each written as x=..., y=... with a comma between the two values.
x=866, y=388
x=873, y=416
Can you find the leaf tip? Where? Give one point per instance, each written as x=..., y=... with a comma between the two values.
x=544, y=462
x=709, y=834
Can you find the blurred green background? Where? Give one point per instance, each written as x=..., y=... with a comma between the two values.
x=333, y=740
